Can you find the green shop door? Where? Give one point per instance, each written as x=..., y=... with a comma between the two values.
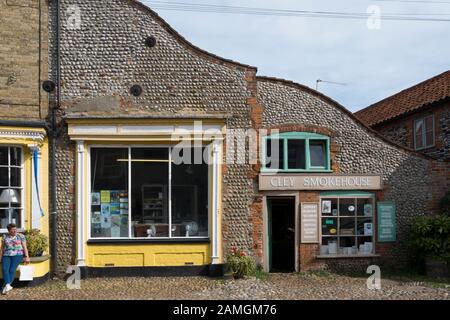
x=280, y=234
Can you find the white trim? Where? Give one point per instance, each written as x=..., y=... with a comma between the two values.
x=215, y=202
x=38, y=136
x=35, y=208
x=169, y=192
x=129, y=195
x=424, y=133
x=95, y=132
x=80, y=203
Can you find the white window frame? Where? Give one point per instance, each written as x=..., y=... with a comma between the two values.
x=21, y=228
x=424, y=133
x=338, y=224
x=130, y=147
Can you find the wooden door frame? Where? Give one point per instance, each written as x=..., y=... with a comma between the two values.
x=280, y=194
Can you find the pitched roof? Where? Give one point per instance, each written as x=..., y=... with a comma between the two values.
x=408, y=100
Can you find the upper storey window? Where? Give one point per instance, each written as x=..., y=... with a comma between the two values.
x=424, y=132
x=296, y=152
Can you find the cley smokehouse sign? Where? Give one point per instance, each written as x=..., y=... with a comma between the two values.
x=319, y=182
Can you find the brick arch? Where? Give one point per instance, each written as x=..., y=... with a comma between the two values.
x=292, y=127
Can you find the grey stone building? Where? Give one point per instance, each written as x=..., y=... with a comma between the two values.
x=335, y=193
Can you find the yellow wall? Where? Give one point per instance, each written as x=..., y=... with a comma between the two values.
x=41, y=268
x=144, y=255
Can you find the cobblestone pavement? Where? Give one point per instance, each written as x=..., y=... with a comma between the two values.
x=276, y=286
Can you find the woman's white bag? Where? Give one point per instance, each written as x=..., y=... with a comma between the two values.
x=26, y=273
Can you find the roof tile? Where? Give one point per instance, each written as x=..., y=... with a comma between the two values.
x=413, y=98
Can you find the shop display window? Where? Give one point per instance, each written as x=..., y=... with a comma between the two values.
x=139, y=192
x=347, y=225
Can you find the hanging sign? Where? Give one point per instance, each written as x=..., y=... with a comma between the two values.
x=386, y=222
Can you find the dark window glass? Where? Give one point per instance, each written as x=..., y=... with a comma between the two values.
x=4, y=177
x=16, y=156
x=10, y=186
x=296, y=154
x=190, y=197
x=317, y=153
x=3, y=156
x=109, y=192
x=149, y=195
x=15, y=177
x=275, y=154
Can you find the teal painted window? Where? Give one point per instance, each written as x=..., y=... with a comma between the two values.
x=296, y=152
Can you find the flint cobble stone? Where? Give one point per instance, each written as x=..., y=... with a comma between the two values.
x=276, y=287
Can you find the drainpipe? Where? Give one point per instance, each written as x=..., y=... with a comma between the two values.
x=54, y=135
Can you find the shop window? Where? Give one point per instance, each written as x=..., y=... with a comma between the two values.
x=296, y=152
x=142, y=193
x=347, y=225
x=424, y=132
x=11, y=186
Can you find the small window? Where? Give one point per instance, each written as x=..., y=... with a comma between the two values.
x=11, y=186
x=347, y=225
x=424, y=132
x=297, y=152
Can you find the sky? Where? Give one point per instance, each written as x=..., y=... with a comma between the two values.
x=372, y=63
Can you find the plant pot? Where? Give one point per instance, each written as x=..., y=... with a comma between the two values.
x=437, y=268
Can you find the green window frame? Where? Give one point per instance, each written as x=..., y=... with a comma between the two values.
x=307, y=137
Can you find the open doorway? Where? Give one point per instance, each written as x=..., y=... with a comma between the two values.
x=281, y=234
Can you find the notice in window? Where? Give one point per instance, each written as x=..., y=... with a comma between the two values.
x=309, y=222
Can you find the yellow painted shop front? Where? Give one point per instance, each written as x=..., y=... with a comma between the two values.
x=148, y=193
x=24, y=186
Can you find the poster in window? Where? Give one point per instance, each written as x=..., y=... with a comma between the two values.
x=368, y=229
x=115, y=225
x=105, y=196
x=105, y=216
x=106, y=222
x=96, y=217
x=114, y=208
x=95, y=198
x=368, y=210
x=115, y=196
x=326, y=206
x=115, y=231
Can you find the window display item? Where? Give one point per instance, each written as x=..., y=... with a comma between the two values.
x=332, y=247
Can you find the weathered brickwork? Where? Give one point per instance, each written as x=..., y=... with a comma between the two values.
x=406, y=175
x=23, y=59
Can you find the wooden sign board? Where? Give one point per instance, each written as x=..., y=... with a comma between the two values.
x=309, y=222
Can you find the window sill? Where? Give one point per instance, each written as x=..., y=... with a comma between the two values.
x=148, y=241
x=347, y=256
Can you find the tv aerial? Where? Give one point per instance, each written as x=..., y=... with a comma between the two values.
x=326, y=81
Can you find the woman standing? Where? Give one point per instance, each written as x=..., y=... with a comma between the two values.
x=14, y=248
